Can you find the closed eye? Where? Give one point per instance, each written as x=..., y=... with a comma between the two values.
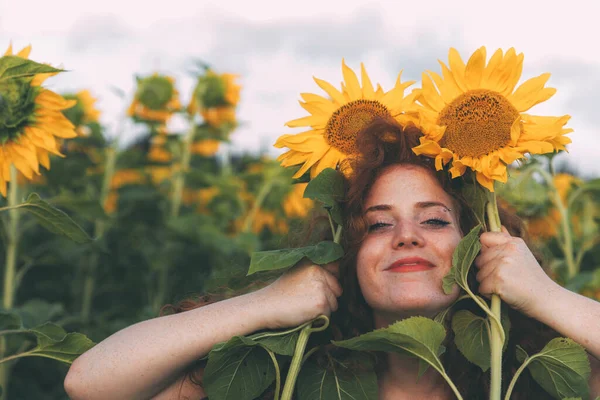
x=378, y=225
x=436, y=222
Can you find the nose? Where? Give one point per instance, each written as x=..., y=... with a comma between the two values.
x=407, y=235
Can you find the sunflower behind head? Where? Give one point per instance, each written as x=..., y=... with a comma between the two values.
x=30, y=121
x=473, y=116
x=336, y=121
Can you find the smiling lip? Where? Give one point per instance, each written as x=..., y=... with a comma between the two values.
x=410, y=264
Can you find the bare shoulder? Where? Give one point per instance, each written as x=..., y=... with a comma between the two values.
x=182, y=389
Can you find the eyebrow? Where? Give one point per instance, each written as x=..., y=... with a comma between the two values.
x=421, y=205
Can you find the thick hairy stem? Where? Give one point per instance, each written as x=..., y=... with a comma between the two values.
x=497, y=333
x=260, y=198
x=567, y=238
x=89, y=282
x=296, y=364
x=10, y=266
x=179, y=183
x=176, y=196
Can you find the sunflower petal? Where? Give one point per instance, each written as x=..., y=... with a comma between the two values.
x=474, y=68
x=368, y=90
x=457, y=66
x=351, y=82
x=335, y=94
x=531, y=93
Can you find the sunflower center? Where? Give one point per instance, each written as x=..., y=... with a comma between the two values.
x=155, y=92
x=347, y=121
x=477, y=122
x=17, y=105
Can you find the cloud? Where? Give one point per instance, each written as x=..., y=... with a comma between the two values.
x=98, y=33
x=582, y=81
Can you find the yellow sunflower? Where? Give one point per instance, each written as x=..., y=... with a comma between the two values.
x=294, y=204
x=215, y=91
x=335, y=121
x=546, y=226
x=158, y=151
x=155, y=100
x=206, y=147
x=218, y=116
x=84, y=111
x=473, y=116
x=30, y=121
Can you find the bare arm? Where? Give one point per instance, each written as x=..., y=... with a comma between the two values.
x=507, y=268
x=570, y=314
x=147, y=360
x=141, y=360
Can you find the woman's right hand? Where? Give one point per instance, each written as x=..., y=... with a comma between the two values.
x=300, y=295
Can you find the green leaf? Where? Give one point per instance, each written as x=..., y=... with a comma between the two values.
x=278, y=344
x=416, y=336
x=562, y=368
x=329, y=188
x=462, y=259
x=36, y=311
x=336, y=381
x=9, y=321
x=476, y=197
x=54, y=219
x=17, y=67
x=472, y=338
x=322, y=253
x=53, y=342
x=239, y=369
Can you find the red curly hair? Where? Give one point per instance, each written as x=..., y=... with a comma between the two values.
x=382, y=144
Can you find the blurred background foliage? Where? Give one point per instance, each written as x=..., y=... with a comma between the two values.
x=177, y=214
x=174, y=215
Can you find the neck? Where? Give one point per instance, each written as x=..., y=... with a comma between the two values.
x=400, y=380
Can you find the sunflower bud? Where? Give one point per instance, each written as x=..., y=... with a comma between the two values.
x=155, y=92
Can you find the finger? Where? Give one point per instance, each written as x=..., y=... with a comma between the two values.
x=333, y=284
x=487, y=288
x=505, y=230
x=332, y=300
x=486, y=272
x=488, y=255
x=491, y=239
x=333, y=268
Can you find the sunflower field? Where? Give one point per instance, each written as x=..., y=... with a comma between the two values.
x=97, y=235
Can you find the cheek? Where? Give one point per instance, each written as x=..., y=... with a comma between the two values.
x=366, y=264
x=448, y=250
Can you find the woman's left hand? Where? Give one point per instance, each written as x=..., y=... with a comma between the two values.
x=508, y=268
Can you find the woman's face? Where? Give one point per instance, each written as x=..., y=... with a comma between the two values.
x=412, y=232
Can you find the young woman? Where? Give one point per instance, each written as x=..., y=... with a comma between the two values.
x=403, y=222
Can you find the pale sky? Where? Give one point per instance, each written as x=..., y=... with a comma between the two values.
x=277, y=46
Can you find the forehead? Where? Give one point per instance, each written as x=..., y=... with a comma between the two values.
x=406, y=184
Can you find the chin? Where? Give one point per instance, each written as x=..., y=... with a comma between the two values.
x=415, y=303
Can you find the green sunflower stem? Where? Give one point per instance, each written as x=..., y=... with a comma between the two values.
x=10, y=266
x=565, y=226
x=260, y=199
x=176, y=197
x=496, y=342
x=89, y=283
x=179, y=183
x=296, y=364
